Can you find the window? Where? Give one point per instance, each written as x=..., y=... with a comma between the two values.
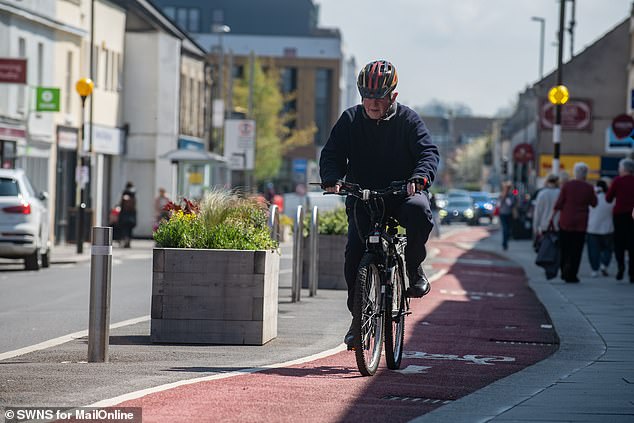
x=170, y=12
x=40, y=64
x=181, y=17
x=288, y=86
x=21, y=87
x=106, y=74
x=323, y=85
x=218, y=16
x=194, y=20
x=95, y=66
x=69, y=82
x=119, y=71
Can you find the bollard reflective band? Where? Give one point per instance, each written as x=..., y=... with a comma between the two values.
x=101, y=250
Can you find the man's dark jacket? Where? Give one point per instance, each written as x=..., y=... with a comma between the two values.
x=373, y=153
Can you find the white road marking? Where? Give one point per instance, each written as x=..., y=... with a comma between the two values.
x=148, y=391
x=66, y=338
x=411, y=369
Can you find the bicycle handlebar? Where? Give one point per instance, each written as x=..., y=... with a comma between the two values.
x=348, y=188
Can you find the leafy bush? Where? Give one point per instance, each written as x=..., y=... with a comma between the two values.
x=222, y=220
x=333, y=222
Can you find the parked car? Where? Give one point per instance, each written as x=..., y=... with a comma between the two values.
x=23, y=220
x=458, y=209
x=483, y=205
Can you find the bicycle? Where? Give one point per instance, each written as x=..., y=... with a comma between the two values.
x=380, y=302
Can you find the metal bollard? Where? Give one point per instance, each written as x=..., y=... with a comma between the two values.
x=100, y=274
x=274, y=222
x=298, y=255
x=313, y=270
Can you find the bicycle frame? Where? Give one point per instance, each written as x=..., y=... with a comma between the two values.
x=384, y=251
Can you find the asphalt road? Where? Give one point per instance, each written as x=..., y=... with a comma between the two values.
x=36, y=306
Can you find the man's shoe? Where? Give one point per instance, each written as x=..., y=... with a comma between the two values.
x=349, y=338
x=418, y=284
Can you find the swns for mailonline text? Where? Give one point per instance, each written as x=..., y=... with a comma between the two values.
x=72, y=414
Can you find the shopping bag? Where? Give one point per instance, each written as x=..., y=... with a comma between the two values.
x=548, y=254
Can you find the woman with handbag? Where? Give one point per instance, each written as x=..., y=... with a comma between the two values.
x=544, y=204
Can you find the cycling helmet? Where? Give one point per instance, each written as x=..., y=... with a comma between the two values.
x=377, y=79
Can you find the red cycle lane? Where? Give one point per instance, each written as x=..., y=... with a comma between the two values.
x=480, y=323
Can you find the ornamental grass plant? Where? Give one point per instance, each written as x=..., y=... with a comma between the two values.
x=221, y=220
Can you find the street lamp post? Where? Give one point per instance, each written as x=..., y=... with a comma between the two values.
x=84, y=88
x=560, y=99
x=542, y=23
x=220, y=30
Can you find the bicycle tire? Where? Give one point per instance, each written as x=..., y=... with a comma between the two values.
x=395, y=320
x=367, y=318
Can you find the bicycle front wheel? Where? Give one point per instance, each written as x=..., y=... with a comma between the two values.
x=367, y=318
x=395, y=320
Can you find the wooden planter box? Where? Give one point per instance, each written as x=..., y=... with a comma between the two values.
x=331, y=259
x=214, y=296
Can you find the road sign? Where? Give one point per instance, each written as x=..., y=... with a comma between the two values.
x=623, y=125
x=47, y=99
x=240, y=143
x=576, y=115
x=558, y=95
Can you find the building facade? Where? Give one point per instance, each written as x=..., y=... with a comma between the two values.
x=311, y=60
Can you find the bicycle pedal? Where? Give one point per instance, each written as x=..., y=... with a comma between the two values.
x=351, y=348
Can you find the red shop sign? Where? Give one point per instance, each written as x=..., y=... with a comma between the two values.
x=576, y=115
x=13, y=71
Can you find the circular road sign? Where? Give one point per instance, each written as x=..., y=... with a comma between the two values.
x=558, y=94
x=622, y=125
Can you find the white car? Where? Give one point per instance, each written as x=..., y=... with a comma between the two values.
x=23, y=221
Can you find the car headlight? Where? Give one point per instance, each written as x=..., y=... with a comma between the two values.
x=488, y=206
x=468, y=213
x=442, y=213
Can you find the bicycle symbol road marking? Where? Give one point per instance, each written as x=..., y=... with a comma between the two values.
x=469, y=358
x=411, y=369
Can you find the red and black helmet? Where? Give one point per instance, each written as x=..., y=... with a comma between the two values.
x=377, y=79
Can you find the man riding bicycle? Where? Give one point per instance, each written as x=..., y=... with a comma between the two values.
x=373, y=144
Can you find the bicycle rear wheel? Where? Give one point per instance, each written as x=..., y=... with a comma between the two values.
x=395, y=320
x=367, y=319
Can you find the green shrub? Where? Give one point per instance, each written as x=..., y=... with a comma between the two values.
x=222, y=220
x=331, y=222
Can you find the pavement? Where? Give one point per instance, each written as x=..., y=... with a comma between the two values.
x=590, y=378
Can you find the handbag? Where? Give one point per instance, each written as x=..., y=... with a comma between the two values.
x=548, y=255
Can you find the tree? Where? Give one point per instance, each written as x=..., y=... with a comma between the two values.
x=273, y=137
x=442, y=109
x=467, y=164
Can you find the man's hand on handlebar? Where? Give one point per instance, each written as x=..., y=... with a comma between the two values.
x=334, y=189
x=416, y=185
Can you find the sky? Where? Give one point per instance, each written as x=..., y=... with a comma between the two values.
x=481, y=53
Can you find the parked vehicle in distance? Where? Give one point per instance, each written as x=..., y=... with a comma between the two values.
x=482, y=204
x=24, y=220
x=458, y=209
x=453, y=192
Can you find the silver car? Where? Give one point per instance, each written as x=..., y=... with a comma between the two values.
x=23, y=220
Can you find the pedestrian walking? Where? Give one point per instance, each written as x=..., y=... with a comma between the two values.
x=544, y=206
x=575, y=197
x=622, y=191
x=127, y=216
x=160, y=203
x=507, y=203
x=600, y=232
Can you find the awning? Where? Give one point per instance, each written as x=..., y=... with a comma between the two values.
x=184, y=155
